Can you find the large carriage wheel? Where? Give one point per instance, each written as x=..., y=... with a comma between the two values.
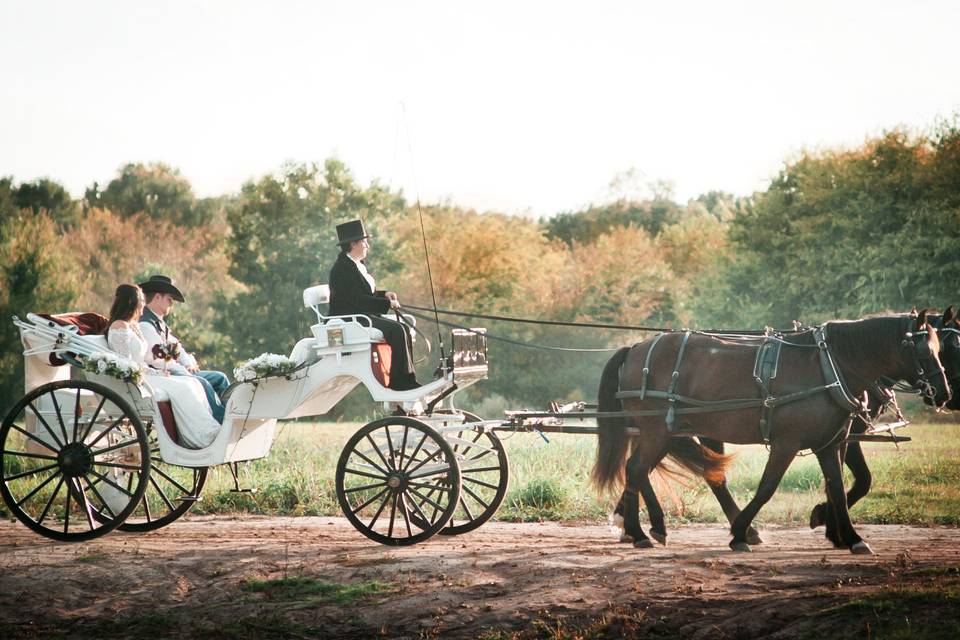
x=398, y=481
x=62, y=446
x=484, y=474
x=172, y=491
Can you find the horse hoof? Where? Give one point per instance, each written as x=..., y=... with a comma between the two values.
x=740, y=547
x=816, y=517
x=643, y=543
x=861, y=548
x=753, y=537
x=625, y=538
x=659, y=537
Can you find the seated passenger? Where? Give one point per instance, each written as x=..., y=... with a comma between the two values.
x=196, y=426
x=353, y=291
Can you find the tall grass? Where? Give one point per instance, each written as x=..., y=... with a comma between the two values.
x=917, y=483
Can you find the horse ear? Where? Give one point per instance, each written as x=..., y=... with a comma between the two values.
x=921, y=320
x=949, y=315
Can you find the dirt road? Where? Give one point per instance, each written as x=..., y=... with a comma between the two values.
x=199, y=577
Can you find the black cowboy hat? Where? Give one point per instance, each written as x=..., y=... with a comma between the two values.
x=161, y=284
x=351, y=231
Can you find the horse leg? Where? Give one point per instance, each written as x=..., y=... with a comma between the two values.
x=658, y=528
x=617, y=519
x=833, y=474
x=638, y=479
x=862, y=479
x=722, y=493
x=780, y=458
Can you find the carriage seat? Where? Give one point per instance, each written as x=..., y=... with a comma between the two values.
x=334, y=331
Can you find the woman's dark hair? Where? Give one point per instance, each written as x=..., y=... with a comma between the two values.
x=125, y=302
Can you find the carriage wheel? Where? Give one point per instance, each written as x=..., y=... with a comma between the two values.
x=172, y=491
x=398, y=481
x=484, y=474
x=61, y=446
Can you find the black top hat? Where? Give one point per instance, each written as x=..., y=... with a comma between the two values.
x=351, y=231
x=161, y=284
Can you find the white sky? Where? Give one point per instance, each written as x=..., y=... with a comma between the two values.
x=511, y=106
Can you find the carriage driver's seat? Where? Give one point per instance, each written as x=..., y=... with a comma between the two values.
x=336, y=332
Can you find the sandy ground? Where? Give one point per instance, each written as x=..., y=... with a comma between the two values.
x=503, y=580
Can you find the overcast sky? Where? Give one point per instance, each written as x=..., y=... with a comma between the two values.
x=523, y=107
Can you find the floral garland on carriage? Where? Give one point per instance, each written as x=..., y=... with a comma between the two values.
x=110, y=364
x=265, y=365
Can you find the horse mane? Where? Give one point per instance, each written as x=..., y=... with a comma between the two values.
x=858, y=340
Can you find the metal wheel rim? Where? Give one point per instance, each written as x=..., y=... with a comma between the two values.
x=380, y=485
x=59, y=446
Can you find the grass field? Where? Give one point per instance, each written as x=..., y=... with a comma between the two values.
x=919, y=483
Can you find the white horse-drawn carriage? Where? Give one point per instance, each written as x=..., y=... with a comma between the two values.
x=84, y=453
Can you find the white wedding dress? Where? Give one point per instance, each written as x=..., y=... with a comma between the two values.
x=196, y=425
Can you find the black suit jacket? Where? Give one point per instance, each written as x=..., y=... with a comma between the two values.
x=350, y=291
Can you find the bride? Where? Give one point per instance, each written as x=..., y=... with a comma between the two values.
x=196, y=426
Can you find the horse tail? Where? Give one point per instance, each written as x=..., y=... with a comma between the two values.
x=613, y=446
x=699, y=460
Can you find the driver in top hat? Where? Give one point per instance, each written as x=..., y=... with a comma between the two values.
x=353, y=291
x=160, y=294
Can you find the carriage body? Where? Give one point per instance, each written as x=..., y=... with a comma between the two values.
x=100, y=412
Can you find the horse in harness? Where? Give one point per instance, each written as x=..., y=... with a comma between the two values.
x=811, y=386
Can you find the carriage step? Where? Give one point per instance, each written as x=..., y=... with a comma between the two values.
x=189, y=498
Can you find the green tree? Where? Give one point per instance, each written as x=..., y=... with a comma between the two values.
x=36, y=275
x=283, y=240
x=50, y=196
x=154, y=189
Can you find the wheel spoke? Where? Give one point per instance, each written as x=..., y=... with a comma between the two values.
x=368, y=502
x=66, y=511
x=116, y=465
x=163, y=496
x=403, y=445
x=114, y=447
x=76, y=416
x=113, y=426
x=53, y=495
x=464, y=470
x=365, y=487
x=465, y=508
x=37, y=489
x=105, y=504
x=169, y=479
x=33, y=437
x=393, y=516
x=481, y=483
x=24, y=474
x=393, y=458
x=45, y=426
x=25, y=454
x=403, y=512
x=372, y=463
x=87, y=509
x=413, y=456
x=432, y=487
x=475, y=497
x=425, y=461
x=422, y=515
x=362, y=473
x=93, y=419
x=377, y=449
x=426, y=500
x=63, y=427
x=146, y=506
x=379, y=511
x=112, y=483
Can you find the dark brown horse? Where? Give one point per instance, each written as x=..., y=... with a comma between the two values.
x=811, y=410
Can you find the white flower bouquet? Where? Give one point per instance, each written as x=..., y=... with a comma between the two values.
x=264, y=366
x=110, y=364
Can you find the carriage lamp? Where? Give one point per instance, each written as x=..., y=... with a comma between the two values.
x=334, y=337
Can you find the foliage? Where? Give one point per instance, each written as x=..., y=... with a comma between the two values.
x=583, y=226
x=41, y=195
x=283, y=240
x=846, y=233
x=36, y=276
x=115, y=249
x=154, y=189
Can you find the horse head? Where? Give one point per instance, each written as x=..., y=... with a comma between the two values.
x=921, y=345
x=948, y=331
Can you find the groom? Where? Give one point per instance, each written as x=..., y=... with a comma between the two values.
x=160, y=293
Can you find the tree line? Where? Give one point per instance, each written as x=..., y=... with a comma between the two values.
x=837, y=233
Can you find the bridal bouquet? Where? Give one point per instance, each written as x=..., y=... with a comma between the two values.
x=264, y=366
x=110, y=364
x=166, y=351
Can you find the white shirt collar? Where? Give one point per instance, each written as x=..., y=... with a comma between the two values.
x=363, y=271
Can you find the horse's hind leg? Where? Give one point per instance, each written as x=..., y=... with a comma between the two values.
x=833, y=474
x=724, y=497
x=638, y=480
x=780, y=458
x=617, y=519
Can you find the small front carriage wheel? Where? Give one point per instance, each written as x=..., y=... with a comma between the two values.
x=63, y=447
x=398, y=481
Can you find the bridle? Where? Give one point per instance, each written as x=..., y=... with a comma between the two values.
x=917, y=346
